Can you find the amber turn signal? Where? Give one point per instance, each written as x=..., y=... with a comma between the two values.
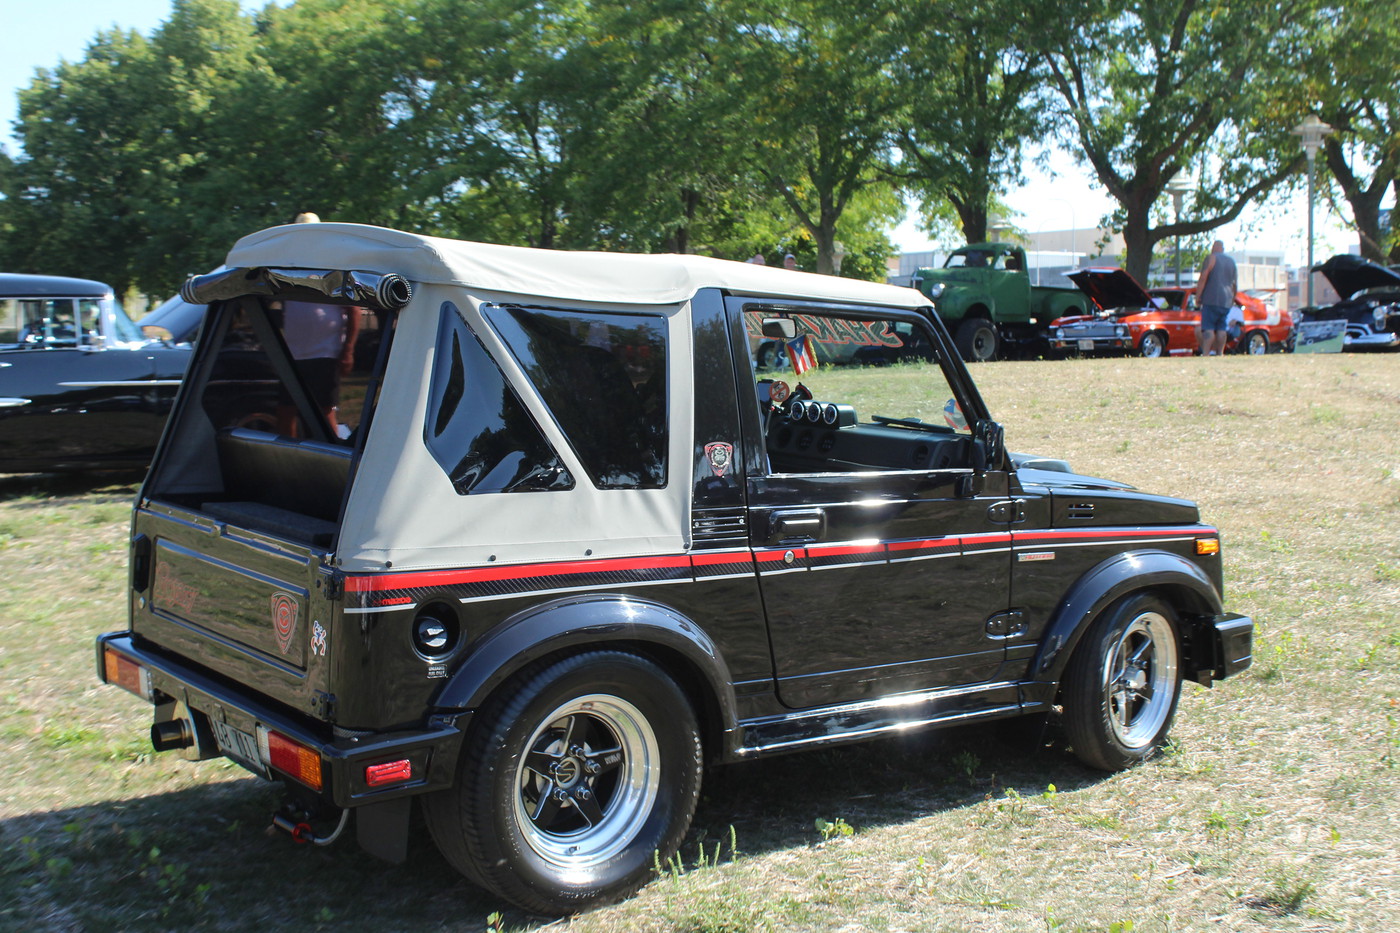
x=1207, y=546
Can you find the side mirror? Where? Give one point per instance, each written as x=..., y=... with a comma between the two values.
x=779, y=328
x=990, y=445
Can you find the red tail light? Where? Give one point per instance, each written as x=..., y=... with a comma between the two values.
x=389, y=772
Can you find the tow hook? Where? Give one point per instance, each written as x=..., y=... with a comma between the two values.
x=296, y=822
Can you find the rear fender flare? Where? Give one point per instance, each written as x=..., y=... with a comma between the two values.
x=1183, y=584
x=592, y=622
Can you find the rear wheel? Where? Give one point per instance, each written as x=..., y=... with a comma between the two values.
x=1152, y=344
x=1256, y=342
x=585, y=771
x=977, y=340
x=1122, y=685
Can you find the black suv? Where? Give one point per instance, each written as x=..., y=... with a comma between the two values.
x=578, y=544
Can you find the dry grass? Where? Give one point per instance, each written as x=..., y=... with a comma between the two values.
x=1274, y=809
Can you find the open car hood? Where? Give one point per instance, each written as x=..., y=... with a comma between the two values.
x=1112, y=289
x=1351, y=274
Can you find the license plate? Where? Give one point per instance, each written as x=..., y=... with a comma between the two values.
x=238, y=745
x=1086, y=344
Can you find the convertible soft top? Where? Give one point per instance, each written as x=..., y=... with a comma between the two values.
x=614, y=278
x=402, y=511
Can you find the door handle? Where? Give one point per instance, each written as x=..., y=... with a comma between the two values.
x=797, y=523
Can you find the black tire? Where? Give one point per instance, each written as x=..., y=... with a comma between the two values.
x=977, y=340
x=1256, y=343
x=1123, y=683
x=571, y=783
x=1153, y=345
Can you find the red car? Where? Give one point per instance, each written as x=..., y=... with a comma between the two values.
x=1162, y=322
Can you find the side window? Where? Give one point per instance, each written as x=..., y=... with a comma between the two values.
x=603, y=377
x=824, y=394
x=477, y=429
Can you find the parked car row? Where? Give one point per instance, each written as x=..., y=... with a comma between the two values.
x=82, y=387
x=1128, y=318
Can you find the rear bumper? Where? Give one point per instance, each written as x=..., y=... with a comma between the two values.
x=344, y=758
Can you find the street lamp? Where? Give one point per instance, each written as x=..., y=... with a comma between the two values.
x=1178, y=188
x=1310, y=133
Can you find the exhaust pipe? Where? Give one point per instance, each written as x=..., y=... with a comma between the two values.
x=172, y=734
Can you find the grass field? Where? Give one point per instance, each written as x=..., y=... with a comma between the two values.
x=1275, y=807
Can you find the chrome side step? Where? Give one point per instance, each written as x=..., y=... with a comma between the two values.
x=854, y=722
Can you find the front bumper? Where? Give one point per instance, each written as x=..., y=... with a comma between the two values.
x=1233, y=644
x=1091, y=344
x=169, y=683
x=1367, y=339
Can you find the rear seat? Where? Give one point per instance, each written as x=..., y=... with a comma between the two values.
x=281, y=485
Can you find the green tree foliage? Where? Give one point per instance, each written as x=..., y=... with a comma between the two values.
x=811, y=80
x=1155, y=89
x=1350, y=59
x=972, y=81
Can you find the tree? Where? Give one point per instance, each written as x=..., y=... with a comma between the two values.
x=812, y=79
x=1349, y=66
x=1153, y=89
x=119, y=147
x=970, y=82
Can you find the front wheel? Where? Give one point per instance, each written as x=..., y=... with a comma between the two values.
x=585, y=771
x=1122, y=684
x=1153, y=344
x=1256, y=343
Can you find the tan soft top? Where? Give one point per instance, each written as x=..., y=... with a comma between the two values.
x=402, y=513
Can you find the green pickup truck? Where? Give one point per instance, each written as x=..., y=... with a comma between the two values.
x=986, y=299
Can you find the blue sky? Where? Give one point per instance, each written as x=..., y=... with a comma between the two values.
x=41, y=33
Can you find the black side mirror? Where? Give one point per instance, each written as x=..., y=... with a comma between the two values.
x=991, y=442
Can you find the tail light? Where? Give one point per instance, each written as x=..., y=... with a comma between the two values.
x=299, y=762
x=121, y=671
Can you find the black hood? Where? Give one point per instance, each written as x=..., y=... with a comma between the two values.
x=1112, y=289
x=1351, y=274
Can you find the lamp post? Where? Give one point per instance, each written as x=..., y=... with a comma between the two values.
x=1178, y=188
x=1310, y=133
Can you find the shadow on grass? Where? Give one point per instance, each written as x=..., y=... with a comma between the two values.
x=44, y=486
x=202, y=859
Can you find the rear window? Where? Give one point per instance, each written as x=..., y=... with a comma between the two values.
x=477, y=429
x=603, y=377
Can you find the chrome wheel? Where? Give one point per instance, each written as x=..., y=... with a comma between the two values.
x=1121, y=686
x=577, y=775
x=1256, y=343
x=1140, y=678
x=587, y=781
x=1152, y=345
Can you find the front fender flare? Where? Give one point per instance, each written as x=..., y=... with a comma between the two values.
x=596, y=621
x=1187, y=585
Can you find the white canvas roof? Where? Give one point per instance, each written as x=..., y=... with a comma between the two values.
x=403, y=513
x=621, y=278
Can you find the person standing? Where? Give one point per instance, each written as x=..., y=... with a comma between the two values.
x=1215, y=293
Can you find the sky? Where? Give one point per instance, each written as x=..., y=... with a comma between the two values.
x=41, y=33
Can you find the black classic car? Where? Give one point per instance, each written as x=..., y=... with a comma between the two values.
x=579, y=545
x=81, y=388
x=1370, y=302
